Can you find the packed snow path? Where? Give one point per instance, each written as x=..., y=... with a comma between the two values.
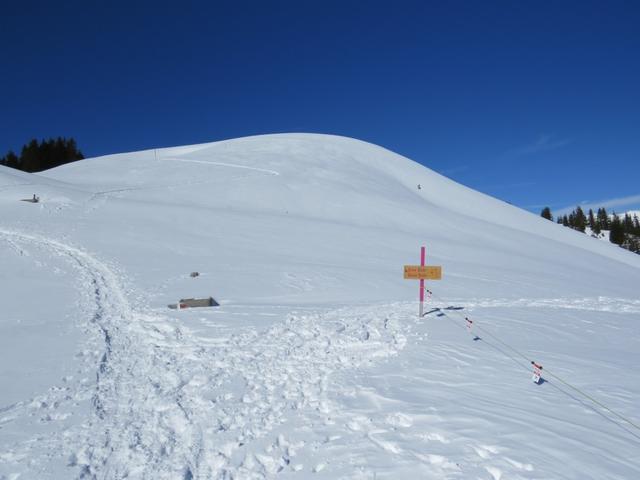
x=168, y=405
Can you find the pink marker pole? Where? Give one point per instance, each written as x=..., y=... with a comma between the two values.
x=422, y=255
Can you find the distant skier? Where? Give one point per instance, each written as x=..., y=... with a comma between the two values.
x=419, y=187
x=35, y=198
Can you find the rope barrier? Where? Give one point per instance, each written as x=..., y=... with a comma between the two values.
x=473, y=324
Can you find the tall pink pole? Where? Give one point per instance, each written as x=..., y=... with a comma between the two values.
x=422, y=255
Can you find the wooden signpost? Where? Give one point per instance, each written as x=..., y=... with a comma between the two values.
x=422, y=272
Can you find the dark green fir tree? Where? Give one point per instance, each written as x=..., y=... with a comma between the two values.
x=546, y=213
x=628, y=224
x=603, y=219
x=37, y=156
x=579, y=220
x=593, y=225
x=616, y=231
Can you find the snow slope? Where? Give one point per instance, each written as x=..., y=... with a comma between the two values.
x=315, y=365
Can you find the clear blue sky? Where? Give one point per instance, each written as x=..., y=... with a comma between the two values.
x=536, y=103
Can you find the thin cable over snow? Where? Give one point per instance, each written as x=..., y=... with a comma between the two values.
x=529, y=361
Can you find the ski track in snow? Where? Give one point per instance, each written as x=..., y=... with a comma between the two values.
x=169, y=405
x=99, y=198
x=219, y=164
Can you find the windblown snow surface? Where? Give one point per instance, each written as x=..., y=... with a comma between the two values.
x=316, y=364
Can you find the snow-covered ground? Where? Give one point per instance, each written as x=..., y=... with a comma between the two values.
x=316, y=364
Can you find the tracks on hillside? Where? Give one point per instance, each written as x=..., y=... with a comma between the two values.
x=168, y=404
x=171, y=405
x=117, y=390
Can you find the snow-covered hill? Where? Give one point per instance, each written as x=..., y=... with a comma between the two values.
x=315, y=365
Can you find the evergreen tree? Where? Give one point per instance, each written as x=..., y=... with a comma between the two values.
x=603, y=219
x=37, y=156
x=616, y=231
x=623, y=231
x=593, y=225
x=627, y=223
x=29, y=161
x=546, y=213
x=579, y=220
x=10, y=160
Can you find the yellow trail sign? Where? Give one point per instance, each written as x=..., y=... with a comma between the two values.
x=422, y=272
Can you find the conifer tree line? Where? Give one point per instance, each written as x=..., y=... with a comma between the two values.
x=37, y=156
x=623, y=231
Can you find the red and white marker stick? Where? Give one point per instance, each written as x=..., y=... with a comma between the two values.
x=537, y=372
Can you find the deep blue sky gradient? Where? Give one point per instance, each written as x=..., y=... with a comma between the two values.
x=536, y=103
